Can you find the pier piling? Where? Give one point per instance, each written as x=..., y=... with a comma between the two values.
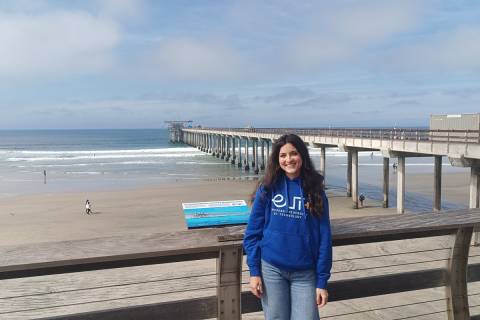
x=386, y=180
x=437, y=184
x=401, y=184
x=322, y=161
x=355, y=178
x=247, y=158
x=255, y=148
x=262, y=165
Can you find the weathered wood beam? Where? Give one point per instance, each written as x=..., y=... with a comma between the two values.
x=457, y=295
x=229, y=275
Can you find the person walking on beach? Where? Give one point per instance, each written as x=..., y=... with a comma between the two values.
x=88, y=209
x=288, y=238
x=361, y=198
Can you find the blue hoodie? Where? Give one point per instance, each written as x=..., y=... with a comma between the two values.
x=282, y=232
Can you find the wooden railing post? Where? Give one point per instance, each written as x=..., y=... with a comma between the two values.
x=457, y=295
x=229, y=271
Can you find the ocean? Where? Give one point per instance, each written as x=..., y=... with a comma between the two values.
x=39, y=161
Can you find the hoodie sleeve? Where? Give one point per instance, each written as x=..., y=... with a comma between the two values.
x=324, y=262
x=254, y=232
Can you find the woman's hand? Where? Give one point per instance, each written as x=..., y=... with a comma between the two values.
x=322, y=297
x=256, y=286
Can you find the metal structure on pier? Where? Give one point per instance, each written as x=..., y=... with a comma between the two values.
x=175, y=129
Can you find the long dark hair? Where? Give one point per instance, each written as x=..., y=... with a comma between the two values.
x=312, y=181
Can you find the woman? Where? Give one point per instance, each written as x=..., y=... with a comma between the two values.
x=288, y=238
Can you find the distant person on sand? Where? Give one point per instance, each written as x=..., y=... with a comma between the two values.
x=288, y=238
x=88, y=209
x=361, y=198
x=394, y=165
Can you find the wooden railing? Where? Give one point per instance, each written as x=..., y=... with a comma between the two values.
x=415, y=134
x=225, y=245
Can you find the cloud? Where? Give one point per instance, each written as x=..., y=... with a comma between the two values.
x=122, y=9
x=321, y=100
x=188, y=98
x=406, y=103
x=53, y=43
x=344, y=30
x=191, y=59
x=288, y=94
x=463, y=92
x=446, y=50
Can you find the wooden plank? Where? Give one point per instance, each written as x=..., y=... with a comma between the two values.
x=386, y=284
x=250, y=303
x=376, y=227
x=390, y=237
x=473, y=273
x=230, y=237
x=200, y=308
x=118, y=262
x=101, y=253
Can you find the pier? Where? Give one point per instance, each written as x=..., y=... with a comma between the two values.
x=461, y=146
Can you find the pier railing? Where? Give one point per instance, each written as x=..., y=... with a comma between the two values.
x=452, y=271
x=414, y=134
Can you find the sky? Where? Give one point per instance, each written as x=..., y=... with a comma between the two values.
x=85, y=64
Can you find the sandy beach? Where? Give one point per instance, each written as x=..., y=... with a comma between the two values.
x=60, y=216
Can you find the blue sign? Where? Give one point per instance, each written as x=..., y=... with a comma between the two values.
x=215, y=213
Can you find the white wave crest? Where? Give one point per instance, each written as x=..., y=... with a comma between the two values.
x=62, y=157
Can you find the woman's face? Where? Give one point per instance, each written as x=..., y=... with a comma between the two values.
x=290, y=160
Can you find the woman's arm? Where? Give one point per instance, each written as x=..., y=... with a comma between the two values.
x=324, y=262
x=254, y=232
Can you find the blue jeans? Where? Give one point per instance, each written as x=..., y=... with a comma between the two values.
x=288, y=295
